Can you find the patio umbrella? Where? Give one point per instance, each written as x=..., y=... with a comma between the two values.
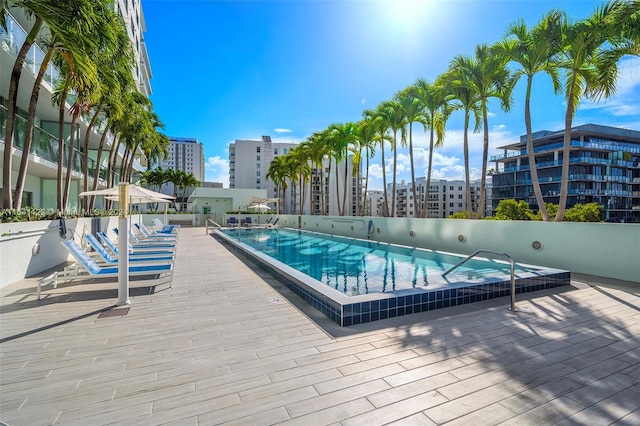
x=134, y=192
x=125, y=192
x=260, y=207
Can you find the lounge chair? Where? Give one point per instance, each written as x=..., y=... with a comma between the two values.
x=111, y=258
x=143, y=235
x=86, y=268
x=147, y=244
x=150, y=232
x=232, y=221
x=134, y=251
x=162, y=227
x=247, y=221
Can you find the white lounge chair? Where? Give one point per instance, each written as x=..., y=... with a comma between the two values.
x=135, y=251
x=148, y=233
x=87, y=268
x=112, y=258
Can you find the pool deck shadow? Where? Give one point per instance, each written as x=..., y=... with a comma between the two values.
x=227, y=344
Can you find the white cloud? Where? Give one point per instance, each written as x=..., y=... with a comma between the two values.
x=217, y=170
x=498, y=127
x=281, y=130
x=363, y=101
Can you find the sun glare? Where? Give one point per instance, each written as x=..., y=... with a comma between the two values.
x=407, y=11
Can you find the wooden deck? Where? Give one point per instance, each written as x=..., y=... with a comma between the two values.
x=228, y=345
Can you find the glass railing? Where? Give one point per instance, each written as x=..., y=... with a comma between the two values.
x=12, y=40
x=45, y=146
x=593, y=144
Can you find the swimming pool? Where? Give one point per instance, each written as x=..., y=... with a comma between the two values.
x=353, y=281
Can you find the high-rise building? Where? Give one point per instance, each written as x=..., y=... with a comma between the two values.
x=604, y=167
x=187, y=155
x=249, y=162
x=446, y=197
x=41, y=182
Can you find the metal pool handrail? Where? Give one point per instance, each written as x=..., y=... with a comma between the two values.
x=496, y=253
x=215, y=225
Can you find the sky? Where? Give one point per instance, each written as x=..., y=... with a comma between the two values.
x=226, y=70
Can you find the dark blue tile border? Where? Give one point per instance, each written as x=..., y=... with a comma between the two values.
x=398, y=305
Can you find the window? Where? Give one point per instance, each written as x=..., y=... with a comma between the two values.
x=257, y=149
x=258, y=166
x=257, y=158
x=284, y=151
x=459, y=204
x=459, y=196
x=451, y=188
x=258, y=181
x=451, y=196
x=275, y=151
x=258, y=173
x=459, y=188
x=450, y=204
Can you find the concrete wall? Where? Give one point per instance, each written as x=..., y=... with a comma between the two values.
x=29, y=248
x=603, y=249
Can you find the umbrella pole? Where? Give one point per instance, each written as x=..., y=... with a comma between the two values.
x=123, y=247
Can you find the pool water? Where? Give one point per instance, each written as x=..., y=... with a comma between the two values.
x=355, y=267
x=354, y=281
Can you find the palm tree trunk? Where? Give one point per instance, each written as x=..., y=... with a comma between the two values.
x=485, y=158
x=61, y=146
x=425, y=208
x=395, y=165
x=28, y=137
x=85, y=153
x=96, y=172
x=385, y=204
x=566, y=150
x=16, y=72
x=67, y=182
x=532, y=158
x=344, y=182
x=416, y=205
x=466, y=165
x=366, y=187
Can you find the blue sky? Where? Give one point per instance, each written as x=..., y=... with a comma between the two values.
x=225, y=70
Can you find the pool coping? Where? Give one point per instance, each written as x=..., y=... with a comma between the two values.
x=350, y=310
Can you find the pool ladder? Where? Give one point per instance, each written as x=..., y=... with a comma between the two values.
x=496, y=253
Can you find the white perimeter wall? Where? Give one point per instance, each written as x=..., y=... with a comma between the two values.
x=602, y=249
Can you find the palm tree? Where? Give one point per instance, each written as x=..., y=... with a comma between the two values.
x=278, y=174
x=366, y=139
x=487, y=77
x=589, y=61
x=533, y=50
x=187, y=180
x=343, y=139
x=318, y=148
x=380, y=124
x=394, y=116
x=437, y=108
x=453, y=81
x=411, y=107
x=36, y=9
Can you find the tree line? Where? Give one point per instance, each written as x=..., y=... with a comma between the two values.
x=87, y=41
x=579, y=56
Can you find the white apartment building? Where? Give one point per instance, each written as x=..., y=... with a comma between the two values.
x=249, y=162
x=446, y=197
x=41, y=182
x=374, y=205
x=186, y=154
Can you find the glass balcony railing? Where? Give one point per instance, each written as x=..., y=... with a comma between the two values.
x=11, y=42
x=45, y=146
x=598, y=144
